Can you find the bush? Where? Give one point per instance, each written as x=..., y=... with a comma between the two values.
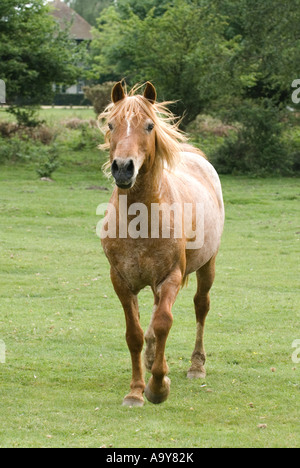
x=292, y=140
x=257, y=147
x=99, y=95
x=75, y=123
x=207, y=125
x=8, y=129
x=26, y=116
x=48, y=161
x=87, y=138
x=41, y=133
x=16, y=150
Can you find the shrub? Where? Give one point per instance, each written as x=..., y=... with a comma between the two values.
x=16, y=150
x=76, y=123
x=99, y=95
x=8, y=129
x=257, y=147
x=207, y=125
x=48, y=161
x=41, y=133
x=26, y=116
x=87, y=138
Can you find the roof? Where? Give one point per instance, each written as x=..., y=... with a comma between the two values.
x=80, y=28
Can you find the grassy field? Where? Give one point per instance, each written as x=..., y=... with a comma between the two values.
x=53, y=115
x=67, y=366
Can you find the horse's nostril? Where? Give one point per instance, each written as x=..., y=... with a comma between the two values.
x=130, y=168
x=114, y=168
x=123, y=171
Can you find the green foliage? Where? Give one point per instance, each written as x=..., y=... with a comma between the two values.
x=141, y=8
x=267, y=61
x=257, y=147
x=25, y=150
x=234, y=59
x=16, y=149
x=89, y=9
x=63, y=134
x=86, y=137
x=182, y=51
x=34, y=52
x=26, y=117
x=48, y=161
x=201, y=53
x=99, y=95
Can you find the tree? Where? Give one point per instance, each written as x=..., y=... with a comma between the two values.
x=34, y=53
x=89, y=9
x=264, y=68
x=142, y=7
x=179, y=45
x=234, y=58
x=268, y=60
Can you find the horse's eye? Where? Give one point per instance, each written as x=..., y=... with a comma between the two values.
x=150, y=127
x=110, y=126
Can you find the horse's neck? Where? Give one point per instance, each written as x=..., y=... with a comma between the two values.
x=147, y=190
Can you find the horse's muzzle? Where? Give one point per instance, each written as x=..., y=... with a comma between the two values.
x=123, y=171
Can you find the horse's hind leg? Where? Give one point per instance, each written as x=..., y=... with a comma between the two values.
x=205, y=278
x=150, y=339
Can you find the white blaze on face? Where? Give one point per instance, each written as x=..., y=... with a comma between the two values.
x=128, y=120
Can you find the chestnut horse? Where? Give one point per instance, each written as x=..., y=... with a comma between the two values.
x=153, y=165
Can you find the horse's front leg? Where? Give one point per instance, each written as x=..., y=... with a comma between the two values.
x=158, y=388
x=134, y=338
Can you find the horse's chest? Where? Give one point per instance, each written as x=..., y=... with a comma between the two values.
x=139, y=264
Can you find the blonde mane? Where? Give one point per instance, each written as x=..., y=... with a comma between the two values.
x=170, y=140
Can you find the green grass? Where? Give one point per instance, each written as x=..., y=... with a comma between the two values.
x=52, y=116
x=67, y=365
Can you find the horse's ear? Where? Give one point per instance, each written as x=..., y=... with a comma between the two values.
x=150, y=92
x=117, y=93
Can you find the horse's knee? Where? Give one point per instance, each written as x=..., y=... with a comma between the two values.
x=162, y=323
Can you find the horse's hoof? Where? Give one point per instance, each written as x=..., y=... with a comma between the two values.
x=196, y=373
x=163, y=393
x=133, y=401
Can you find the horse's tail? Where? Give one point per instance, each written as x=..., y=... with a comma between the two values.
x=185, y=282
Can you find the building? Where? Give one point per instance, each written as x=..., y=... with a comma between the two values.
x=80, y=31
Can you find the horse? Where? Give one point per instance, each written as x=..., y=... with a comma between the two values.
x=153, y=166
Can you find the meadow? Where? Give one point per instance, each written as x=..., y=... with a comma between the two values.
x=67, y=367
